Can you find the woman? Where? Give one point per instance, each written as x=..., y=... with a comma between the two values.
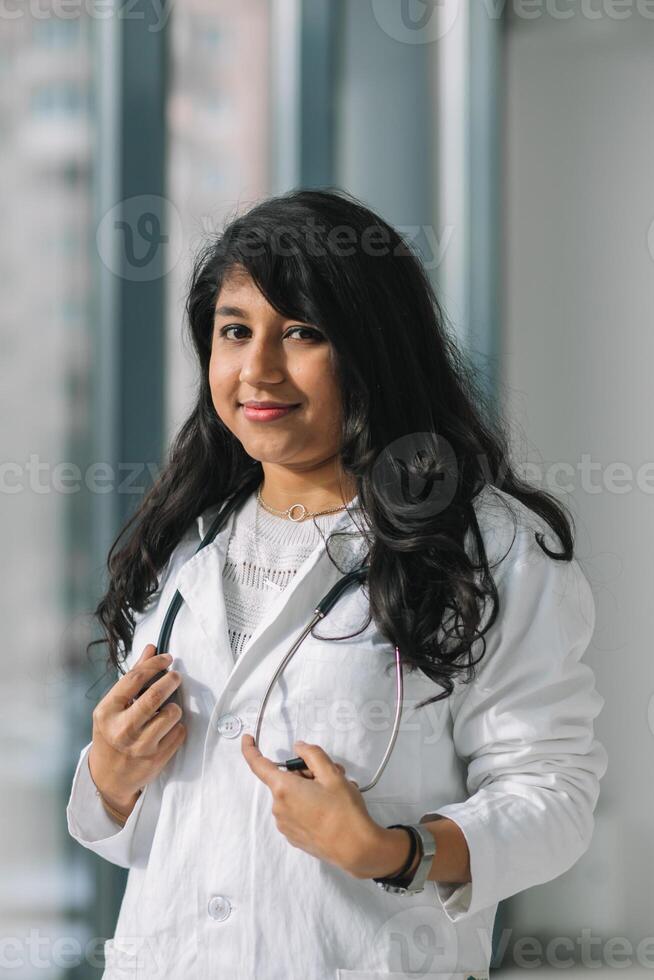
x=385, y=454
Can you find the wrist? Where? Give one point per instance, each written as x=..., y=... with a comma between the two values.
x=413, y=875
x=117, y=799
x=119, y=809
x=385, y=853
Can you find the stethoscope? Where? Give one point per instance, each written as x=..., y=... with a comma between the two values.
x=321, y=610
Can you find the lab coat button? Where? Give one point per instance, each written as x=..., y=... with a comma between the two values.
x=229, y=725
x=219, y=907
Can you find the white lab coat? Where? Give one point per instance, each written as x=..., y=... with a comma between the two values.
x=215, y=891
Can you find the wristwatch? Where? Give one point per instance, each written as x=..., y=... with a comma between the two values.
x=413, y=883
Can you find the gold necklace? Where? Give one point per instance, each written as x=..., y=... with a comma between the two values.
x=288, y=511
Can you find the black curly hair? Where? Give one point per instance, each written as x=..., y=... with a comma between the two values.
x=401, y=373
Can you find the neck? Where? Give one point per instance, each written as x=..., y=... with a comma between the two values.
x=318, y=489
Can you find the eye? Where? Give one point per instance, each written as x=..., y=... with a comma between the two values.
x=314, y=335
x=234, y=326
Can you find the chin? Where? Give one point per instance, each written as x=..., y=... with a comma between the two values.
x=263, y=448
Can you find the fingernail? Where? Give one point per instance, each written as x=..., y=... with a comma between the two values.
x=167, y=657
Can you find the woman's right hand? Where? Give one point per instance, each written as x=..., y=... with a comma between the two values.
x=132, y=739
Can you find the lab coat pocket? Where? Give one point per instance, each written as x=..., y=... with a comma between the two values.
x=123, y=960
x=347, y=707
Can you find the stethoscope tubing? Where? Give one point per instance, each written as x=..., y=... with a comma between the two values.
x=321, y=610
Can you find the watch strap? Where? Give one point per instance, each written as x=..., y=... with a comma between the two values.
x=400, y=875
x=412, y=883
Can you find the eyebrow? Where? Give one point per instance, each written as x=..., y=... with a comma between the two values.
x=230, y=311
x=237, y=311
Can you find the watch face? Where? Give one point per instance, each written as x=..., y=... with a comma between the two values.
x=399, y=889
x=388, y=887
x=392, y=888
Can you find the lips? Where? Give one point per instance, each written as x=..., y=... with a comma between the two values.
x=267, y=414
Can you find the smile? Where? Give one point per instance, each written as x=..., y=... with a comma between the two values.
x=266, y=414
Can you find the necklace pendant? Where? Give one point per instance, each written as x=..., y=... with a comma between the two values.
x=302, y=515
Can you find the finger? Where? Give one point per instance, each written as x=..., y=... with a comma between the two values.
x=146, y=706
x=150, y=653
x=149, y=650
x=341, y=769
x=262, y=767
x=317, y=760
x=128, y=686
x=169, y=744
x=158, y=727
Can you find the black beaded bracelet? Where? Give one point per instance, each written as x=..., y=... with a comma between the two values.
x=409, y=860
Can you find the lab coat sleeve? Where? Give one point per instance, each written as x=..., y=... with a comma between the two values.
x=92, y=827
x=524, y=727
x=88, y=821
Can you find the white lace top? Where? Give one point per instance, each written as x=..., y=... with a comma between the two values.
x=258, y=566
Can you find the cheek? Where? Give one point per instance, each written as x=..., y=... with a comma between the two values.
x=330, y=409
x=322, y=383
x=326, y=413
x=220, y=382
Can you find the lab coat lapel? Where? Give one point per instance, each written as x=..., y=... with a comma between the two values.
x=294, y=605
x=200, y=583
x=290, y=611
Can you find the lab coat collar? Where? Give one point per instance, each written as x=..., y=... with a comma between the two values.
x=200, y=583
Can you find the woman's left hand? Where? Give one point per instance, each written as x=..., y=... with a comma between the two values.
x=322, y=813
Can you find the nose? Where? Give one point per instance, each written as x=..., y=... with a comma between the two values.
x=262, y=362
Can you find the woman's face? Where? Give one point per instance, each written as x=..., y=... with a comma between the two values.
x=258, y=354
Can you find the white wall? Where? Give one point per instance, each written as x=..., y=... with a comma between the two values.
x=578, y=344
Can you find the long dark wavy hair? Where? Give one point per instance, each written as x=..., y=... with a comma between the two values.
x=322, y=257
